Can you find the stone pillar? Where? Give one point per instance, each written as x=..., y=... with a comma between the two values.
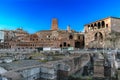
x=98, y=69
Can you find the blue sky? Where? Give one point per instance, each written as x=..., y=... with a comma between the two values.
x=36, y=15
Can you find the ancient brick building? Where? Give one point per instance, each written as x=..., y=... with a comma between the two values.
x=11, y=37
x=55, y=38
x=60, y=38
x=96, y=32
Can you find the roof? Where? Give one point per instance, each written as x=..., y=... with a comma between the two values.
x=103, y=19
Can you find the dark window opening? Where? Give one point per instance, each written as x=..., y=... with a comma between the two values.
x=77, y=44
x=78, y=37
x=60, y=45
x=64, y=44
x=70, y=37
x=92, y=27
x=98, y=25
x=68, y=45
x=95, y=24
x=106, y=25
x=88, y=25
x=103, y=24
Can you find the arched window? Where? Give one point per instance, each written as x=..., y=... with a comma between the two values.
x=99, y=36
x=70, y=37
x=68, y=45
x=103, y=24
x=77, y=44
x=60, y=45
x=79, y=37
x=99, y=25
x=92, y=27
x=88, y=26
x=64, y=44
x=95, y=24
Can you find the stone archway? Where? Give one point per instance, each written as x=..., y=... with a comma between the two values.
x=77, y=44
x=98, y=40
x=98, y=36
x=71, y=37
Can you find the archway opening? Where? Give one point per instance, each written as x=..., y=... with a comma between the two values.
x=88, y=26
x=95, y=24
x=68, y=45
x=70, y=37
x=103, y=24
x=92, y=27
x=77, y=44
x=64, y=44
x=60, y=45
x=79, y=37
x=98, y=36
x=99, y=25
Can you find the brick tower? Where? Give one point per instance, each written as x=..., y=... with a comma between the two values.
x=54, y=25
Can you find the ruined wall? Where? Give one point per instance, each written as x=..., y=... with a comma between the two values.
x=61, y=38
x=101, y=26
x=115, y=24
x=112, y=40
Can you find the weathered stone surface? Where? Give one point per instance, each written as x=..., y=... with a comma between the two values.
x=96, y=32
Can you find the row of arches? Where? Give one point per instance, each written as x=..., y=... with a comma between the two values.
x=65, y=45
x=100, y=24
x=77, y=44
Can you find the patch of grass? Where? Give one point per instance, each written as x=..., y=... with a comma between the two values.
x=36, y=54
x=43, y=61
x=73, y=77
